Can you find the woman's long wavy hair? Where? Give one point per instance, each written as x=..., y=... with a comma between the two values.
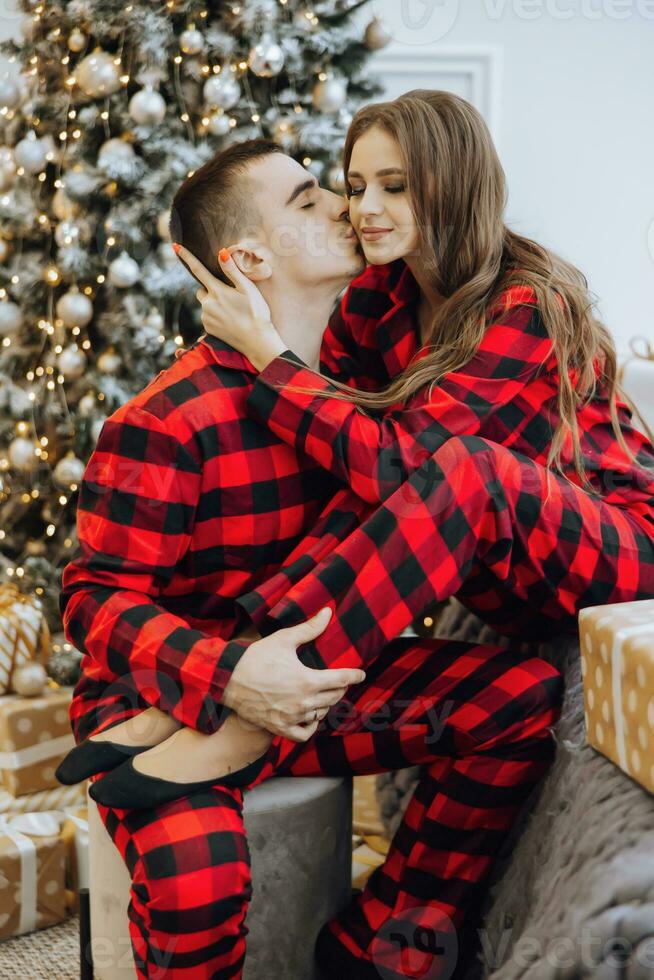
x=458, y=194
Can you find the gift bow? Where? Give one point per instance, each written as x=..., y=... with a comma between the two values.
x=648, y=354
x=20, y=828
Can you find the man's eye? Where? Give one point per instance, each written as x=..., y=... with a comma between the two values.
x=305, y=206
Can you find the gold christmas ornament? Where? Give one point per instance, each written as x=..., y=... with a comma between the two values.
x=76, y=40
x=330, y=94
x=377, y=35
x=87, y=404
x=62, y=206
x=109, y=362
x=11, y=318
x=218, y=124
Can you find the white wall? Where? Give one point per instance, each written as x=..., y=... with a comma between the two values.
x=574, y=127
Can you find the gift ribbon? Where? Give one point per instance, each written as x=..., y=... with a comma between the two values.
x=81, y=847
x=20, y=829
x=31, y=754
x=622, y=634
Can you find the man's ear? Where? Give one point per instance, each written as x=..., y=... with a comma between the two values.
x=252, y=261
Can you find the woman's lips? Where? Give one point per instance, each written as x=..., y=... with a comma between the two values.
x=373, y=234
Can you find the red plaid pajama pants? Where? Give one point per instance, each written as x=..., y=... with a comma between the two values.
x=476, y=520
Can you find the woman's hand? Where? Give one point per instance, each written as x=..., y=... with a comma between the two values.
x=240, y=316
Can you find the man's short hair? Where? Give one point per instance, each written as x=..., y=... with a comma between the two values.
x=215, y=206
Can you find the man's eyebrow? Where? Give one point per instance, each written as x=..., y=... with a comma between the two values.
x=304, y=186
x=380, y=173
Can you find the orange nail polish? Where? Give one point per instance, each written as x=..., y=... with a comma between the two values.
x=223, y=255
x=175, y=246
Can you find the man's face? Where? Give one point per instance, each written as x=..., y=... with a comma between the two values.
x=304, y=232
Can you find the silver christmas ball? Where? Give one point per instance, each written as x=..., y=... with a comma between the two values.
x=87, y=405
x=97, y=74
x=285, y=133
x=11, y=318
x=21, y=454
x=376, y=35
x=7, y=168
x=330, y=95
x=62, y=205
x=96, y=427
x=266, y=58
x=76, y=40
x=191, y=41
x=222, y=90
x=123, y=271
x=68, y=472
x=109, y=361
x=163, y=222
x=30, y=154
x=72, y=362
x=147, y=107
x=75, y=309
x=218, y=123
x=114, y=151
x=70, y=233
x=10, y=94
x=28, y=679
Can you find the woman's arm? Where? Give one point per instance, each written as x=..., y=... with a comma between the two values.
x=375, y=455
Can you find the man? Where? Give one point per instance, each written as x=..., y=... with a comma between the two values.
x=188, y=505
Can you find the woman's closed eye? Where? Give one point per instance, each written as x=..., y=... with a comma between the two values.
x=395, y=189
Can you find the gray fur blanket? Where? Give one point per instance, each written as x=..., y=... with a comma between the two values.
x=571, y=894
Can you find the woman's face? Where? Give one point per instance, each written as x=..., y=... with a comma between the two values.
x=380, y=210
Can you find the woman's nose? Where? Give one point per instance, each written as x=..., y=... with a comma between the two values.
x=369, y=202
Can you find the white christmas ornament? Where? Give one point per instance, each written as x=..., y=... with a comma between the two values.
x=97, y=74
x=11, y=318
x=330, y=94
x=123, y=271
x=30, y=153
x=75, y=309
x=147, y=107
x=154, y=320
x=21, y=454
x=218, y=123
x=28, y=679
x=377, y=35
x=7, y=168
x=191, y=41
x=68, y=471
x=72, y=362
x=10, y=94
x=222, y=90
x=163, y=230
x=76, y=40
x=266, y=58
x=115, y=151
x=87, y=405
x=109, y=362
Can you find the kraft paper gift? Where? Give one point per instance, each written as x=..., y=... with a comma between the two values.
x=617, y=668
x=35, y=735
x=32, y=872
x=24, y=633
x=75, y=834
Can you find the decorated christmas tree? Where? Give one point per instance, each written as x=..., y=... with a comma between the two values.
x=113, y=106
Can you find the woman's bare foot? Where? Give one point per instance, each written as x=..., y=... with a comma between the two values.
x=149, y=727
x=189, y=756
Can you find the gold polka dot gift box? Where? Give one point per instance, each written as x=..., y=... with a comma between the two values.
x=617, y=669
x=32, y=872
x=35, y=735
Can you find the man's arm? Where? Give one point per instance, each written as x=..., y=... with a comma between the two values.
x=135, y=517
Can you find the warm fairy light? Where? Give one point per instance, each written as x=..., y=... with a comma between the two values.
x=256, y=117
x=26, y=498
x=88, y=290
x=63, y=500
x=43, y=440
x=205, y=69
x=104, y=115
x=21, y=428
x=86, y=345
x=39, y=371
x=177, y=59
x=242, y=65
x=306, y=161
x=111, y=240
x=124, y=79
x=232, y=122
x=6, y=341
x=184, y=117
x=100, y=278
x=428, y=621
x=50, y=530
x=77, y=133
x=58, y=182
x=322, y=76
x=179, y=340
x=70, y=81
x=41, y=177
x=20, y=571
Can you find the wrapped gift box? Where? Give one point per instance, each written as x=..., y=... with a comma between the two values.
x=75, y=834
x=617, y=668
x=35, y=735
x=24, y=633
x=32, y=873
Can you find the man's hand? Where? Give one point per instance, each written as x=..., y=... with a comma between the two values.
x=271, y=688
x=240, y=316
